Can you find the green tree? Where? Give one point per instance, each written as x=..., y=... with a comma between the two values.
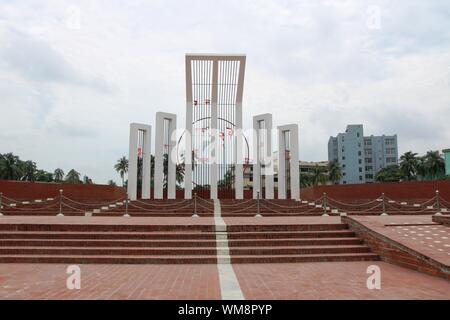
x=28, y=169
x=44, y=176
x=58, y=175
x=305, y=180
x=87, y=180
x=434, y=164
x=334, y=172
x=112, y=183
x=122, y=167
x=389, y=174
x=227, y=181
x=409, y=165
x=318, y=176
x=73, y=176
x=10, y=167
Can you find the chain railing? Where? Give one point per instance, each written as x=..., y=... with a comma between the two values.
x=61, y=205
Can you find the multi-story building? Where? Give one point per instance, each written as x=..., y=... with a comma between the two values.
x=305, y=167
x=362, y=157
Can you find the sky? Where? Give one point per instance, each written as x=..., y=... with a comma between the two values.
x=74, y=74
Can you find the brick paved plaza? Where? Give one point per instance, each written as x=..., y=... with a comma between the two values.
x=337, y=280
x=340, y=276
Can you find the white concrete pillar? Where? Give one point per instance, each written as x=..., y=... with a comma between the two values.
x=133, y=157
x=293, y=162
x=215, y=142
x=159, y=154
x=188, y=133
x=239, y=145
x=262, y=155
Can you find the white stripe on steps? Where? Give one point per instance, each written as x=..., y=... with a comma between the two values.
x=229, y=284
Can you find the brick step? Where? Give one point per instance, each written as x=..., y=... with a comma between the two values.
x=182, y=251
x=176, y=243
x=92, y=235
x=287, y=227
x=173, y=235
x=105, y=227
x=41, y=213
x=211, y=259
x=345, y=233
x=156, y=214
x=307, y=258
x=167, y=227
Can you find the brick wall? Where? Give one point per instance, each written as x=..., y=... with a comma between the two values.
x=417, y=190
x=395, y=253
x=36, y=190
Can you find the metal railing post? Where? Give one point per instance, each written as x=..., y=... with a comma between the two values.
x=257, y=202
x=1, y=202
x=384, y=202
x=195, y=202
x=324, y=203
x=438, y=201
x=60, y=201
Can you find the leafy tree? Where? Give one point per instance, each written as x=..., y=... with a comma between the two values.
x=58, y=175
x=434, y=164
x=389, y=174
x=305, y=180
x=112, y=183
x=318, y=176
x=10, y=167
x=227, y=181
x=122, y=167
x=44, y=176
x=28, y=169
x=87, y=180
x=334, y=172
x=73, y=176
x=409, y=165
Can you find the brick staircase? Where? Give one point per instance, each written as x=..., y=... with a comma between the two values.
x=162, y=208
x=178, y=243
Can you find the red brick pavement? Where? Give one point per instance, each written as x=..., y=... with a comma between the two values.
x=419, y=233
x=48, y=281
x=330, y=280
x=336, y=280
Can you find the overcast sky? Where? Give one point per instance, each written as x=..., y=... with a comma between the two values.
x=74, y=74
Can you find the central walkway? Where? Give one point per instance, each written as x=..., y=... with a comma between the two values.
x=229, y=285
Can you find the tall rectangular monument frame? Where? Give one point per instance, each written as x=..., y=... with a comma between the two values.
x=133, y=158
x=210, y=76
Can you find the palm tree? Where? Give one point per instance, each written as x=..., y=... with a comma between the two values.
x=10, y=168
x=318, y=176
x=434, y=163
x=179, y=170
x=409, y=165
x=58, y=175
x=334, y=172
x=305, y=180
x=389, y=174
x=87, y=180
x=73, y=176
x=44, y=176
x=28, y=169
x=122, y=167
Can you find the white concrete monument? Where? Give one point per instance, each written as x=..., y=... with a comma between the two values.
x=288, y=146
x=262, y=155
x=214, y=90
x=165, y=131
x=145, y=144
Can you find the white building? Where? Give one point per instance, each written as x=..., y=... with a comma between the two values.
x=360, y=157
